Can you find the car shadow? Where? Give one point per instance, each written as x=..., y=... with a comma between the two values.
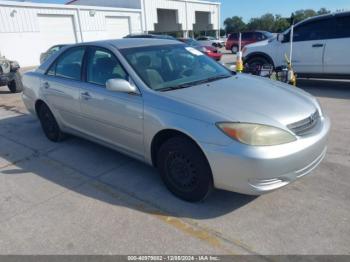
x=106, y=170
x=326, y=88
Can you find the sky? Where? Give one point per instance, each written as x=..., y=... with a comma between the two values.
x=255, y=8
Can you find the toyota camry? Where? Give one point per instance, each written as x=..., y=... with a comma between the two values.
x=170, y=106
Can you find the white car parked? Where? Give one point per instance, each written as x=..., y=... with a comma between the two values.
x=210, y=41
x=320, y=49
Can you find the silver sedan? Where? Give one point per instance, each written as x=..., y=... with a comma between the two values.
x=167, y=104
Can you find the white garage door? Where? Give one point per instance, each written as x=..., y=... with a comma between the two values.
x=117, y=27
x=56, y=29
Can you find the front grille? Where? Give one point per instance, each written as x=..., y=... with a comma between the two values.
x=304, y=126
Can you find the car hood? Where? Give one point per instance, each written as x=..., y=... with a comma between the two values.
x=245, y=98
x=261, y=43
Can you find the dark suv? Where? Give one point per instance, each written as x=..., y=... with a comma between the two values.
x=9, y=75
x=247, y=38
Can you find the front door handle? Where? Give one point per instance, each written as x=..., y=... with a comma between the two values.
x=86, y=95
x=317, y=45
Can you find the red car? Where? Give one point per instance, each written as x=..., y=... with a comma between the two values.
x=208, y=50
x=247, y=38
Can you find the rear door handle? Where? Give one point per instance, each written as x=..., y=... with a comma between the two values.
x=317, y=45
x=46, y=85
x=85, y=95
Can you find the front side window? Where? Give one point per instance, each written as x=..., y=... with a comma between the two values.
x=102, y=65
x=315, y=30
x=69, y=64
x=173, y=66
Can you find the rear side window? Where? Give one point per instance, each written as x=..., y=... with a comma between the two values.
x=69, y=64
x=315, y=30
x=259, y=36
x=102, y=65
x=342, y=26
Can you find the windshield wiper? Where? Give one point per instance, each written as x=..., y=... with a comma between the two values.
x=170, y=88
x=211, y=79
x=207, y=80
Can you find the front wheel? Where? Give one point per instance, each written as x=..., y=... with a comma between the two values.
x=258, y=61
x=16, y=85
x=185, y=169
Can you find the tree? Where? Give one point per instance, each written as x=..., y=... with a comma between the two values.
x=234, y=24
x=281, y=24
x=323, y=11
x=265, y=22
x=270, y=22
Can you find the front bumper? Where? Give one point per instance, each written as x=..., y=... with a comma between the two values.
x=257, y=170
x=6, y=78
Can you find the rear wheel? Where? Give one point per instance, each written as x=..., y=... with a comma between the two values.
x=49, y=124
x=184, y=169
x=16, y=86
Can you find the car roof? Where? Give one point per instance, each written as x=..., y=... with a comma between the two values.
x=133, y=42
x=321, y=17
x=149, y=36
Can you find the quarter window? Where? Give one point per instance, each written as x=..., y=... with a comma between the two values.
x=102, y=65
x=69, y=64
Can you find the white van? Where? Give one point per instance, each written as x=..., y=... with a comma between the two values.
x=321, y=47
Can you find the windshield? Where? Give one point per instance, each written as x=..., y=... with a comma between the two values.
x=269, y=35
x=169, y=67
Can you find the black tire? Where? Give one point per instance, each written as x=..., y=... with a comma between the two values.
x=49, y=124
x=258, y=61
x=185, y=169
x=234, y=49
x=16, y=85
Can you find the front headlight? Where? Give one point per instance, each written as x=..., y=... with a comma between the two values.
x=256, y=134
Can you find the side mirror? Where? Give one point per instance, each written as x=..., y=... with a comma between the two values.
x=280, y=37
x=120, y=85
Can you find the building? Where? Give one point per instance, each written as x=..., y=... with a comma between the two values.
x=28, y=29
x=165, y=16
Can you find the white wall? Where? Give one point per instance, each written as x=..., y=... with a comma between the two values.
x=136, y=4
x=20, y=36
x=185, y=9
x=186, y=12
